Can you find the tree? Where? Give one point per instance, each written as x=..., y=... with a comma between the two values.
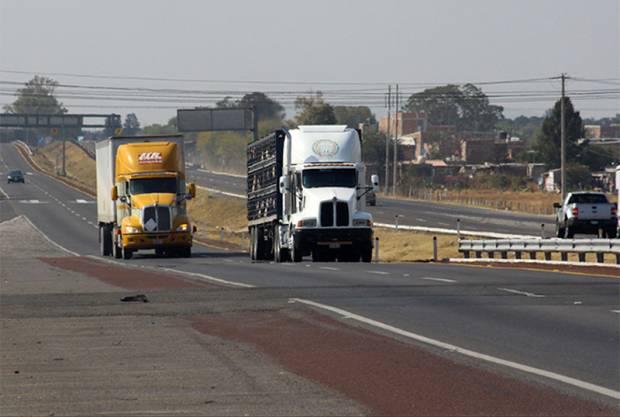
x=131, y=126
x=37, y=97
x=314, y=110
x=263, y=105
x=158, y=129
x=548, y=142
x=465, y=107
x=352, y=116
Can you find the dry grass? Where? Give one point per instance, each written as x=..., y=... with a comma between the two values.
x=402, y=246
x=80, y=167
x=534, y=202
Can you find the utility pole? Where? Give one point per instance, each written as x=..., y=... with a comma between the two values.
x=395, y=163
x=563, y=139
x=64, y=151
x=387, y=141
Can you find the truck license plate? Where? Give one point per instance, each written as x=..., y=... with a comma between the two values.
x=334, y=245
x=594, y=221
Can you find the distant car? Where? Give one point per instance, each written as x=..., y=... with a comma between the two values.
x=586, y=212
x=15, y=176
x=371, y=198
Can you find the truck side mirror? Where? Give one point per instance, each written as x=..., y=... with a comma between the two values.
x=557, y=205
x=374, y=179
x=114, y=193
x=191, y=189
x=284, y=184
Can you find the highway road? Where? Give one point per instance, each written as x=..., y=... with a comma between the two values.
x=414, y=213
x=559, y=323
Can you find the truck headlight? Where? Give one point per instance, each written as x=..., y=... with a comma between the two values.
x=183, y=227
x=132, y=229
x=306, y=223
x=362, y=222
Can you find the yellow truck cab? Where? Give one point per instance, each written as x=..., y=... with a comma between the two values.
x=141, y=196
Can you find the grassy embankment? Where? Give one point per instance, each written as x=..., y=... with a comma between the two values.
x=211, y=212
x=532, y=202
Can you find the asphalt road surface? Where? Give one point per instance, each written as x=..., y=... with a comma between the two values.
x=415, y=213
x=561, y=323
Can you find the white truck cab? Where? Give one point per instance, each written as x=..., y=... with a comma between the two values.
x=322, y=185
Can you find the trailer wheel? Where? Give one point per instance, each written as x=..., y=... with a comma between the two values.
x=105, y=240
x=116, y=251
x=253, y=243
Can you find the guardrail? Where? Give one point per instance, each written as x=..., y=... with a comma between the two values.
x=547, y=247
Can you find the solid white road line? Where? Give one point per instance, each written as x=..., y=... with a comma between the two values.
x=438, y=279
x=527, y=294
x=48, y=239
x=213, y=190
x=378, y=272
x=329, y=268
x=466, y=352
x=615, y=311
x=4, y=193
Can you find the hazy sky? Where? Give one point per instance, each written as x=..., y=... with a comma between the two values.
x=312, y=42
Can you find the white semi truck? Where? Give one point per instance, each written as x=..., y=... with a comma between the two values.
x=306, y=196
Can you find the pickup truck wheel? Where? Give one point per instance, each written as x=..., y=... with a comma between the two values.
x=569, y=233
x=611, y=233
x=559, y=230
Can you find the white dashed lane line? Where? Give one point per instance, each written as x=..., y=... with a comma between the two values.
x=438, y=279
x=525, y=293
x=378, y=272
x=329, y=268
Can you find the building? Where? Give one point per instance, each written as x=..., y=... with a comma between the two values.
x=550, y=181
x=407, y=122
x=592, y=131
x=480, y=150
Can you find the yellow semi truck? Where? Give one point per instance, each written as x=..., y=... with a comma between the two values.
x=141, y=196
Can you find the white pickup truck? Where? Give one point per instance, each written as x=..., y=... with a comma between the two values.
x=585, y=212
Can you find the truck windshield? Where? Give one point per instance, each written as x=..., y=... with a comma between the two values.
x=153, y=185
x=588, y=199
x=330, y=178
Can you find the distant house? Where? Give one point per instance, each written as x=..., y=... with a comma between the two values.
x=550, y=181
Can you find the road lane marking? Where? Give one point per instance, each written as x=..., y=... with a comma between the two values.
x=4, y=193
x=378, y=272
x=615, y=311
x=438, y=279
x=329, y=268
x=527, y=294
x=32, y=202
x=466, y=352
x=47, y=237
x=82, y=201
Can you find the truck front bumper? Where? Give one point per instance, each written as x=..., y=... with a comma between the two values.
x=332, y=238
x=156, y=240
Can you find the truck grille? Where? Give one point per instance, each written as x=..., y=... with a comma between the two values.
x=156, y=219
x=342, y=214
x=341, y=211
x=327, y=214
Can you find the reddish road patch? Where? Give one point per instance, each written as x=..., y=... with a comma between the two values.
x=389, y=377
x=128, y=278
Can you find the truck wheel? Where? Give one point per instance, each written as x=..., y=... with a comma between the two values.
x=126, y=253
x=105, y=241
x=296, y=254
x=159, y=253
x=279, y=254
x=367, y=254
x=253, y=243
x=611, y=233
x=569, y=232
x=559, y=231
x=186, y=252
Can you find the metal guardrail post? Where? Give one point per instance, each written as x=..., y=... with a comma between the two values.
x=376, y=249
x=582, y=257
x=458, y=229
x=600, y=257
x=434, y=248
x=564, y=256
x=542, y=230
